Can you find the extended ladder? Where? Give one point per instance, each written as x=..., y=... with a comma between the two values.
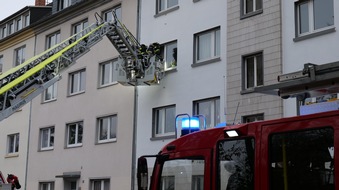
x=21, y=84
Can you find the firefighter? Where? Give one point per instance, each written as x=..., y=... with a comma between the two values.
x=14, y=180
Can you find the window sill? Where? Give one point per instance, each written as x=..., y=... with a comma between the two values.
x=48, y=101
x=77, y=93
x=206, y=62
x=74, y=146
x=46, y=149
x=107, y=85
x=106, y=141
x=162, y=138
x=165, y=12
x=314, y=34
x=171, y=70
x=257, y=12
x=12, y=155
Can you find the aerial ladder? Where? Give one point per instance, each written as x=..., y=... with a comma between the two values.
x=137, y=64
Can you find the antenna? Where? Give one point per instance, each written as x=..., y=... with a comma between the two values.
x=236, y=112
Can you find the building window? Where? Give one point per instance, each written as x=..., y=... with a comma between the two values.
x=314, y=16
x=74, y=134
x=47, y=138
x=107, y=129
x=108, y=16
x=210, y=109
x=11, y=28
x=51, y=92
x=169, y=53
x=13, y=143
x=252, y=118
x=163, y=5
x=106, y=72
x=1, y=62
x=19, y=55
x=251, y=6
x=46, y=186
x=167, y=182
x=77, y=82
x=78, y=27
x=62, y=4
x=253, y=70
x=18, y=24
x=27, y=20
x=3, y=32
x=52, y=39
x=164, y=121
x=100, y=184
x=207, y=45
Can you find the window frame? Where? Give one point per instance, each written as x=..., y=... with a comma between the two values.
x=244, y=14
x=20, y=50
x=110, y=126
x=4, y=31
x=253, y=118
x=50, y=185
x=14, y=148
x=215, y=112
x=49, y=138
x=162, y=129
x=214, y=50
x=159, y=11
x=312, y=32
x=165, y=55
x=77, y=86
x=76, y=143
x=108, y=11
x=102, y=183
x=245, y=85
x=102, y=74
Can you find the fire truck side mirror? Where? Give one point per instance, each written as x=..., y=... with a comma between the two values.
x=142, y=173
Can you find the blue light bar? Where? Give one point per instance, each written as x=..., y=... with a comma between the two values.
x=189, y=125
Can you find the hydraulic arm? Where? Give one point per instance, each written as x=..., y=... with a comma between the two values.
x=137, y=64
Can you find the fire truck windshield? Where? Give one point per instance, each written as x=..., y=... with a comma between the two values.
x=236, y=164
x=182, y=174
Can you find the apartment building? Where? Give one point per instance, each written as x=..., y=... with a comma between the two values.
x=254, y=58
x=192, y=35
x=17, y=44
x=78, y=133
x=310, y=36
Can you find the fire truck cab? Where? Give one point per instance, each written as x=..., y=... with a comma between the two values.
x=294, y=153
x=289, y=153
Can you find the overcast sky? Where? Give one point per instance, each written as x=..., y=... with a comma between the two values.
x=9, y=7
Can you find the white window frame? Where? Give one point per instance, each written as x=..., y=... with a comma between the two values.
x=197, y=182
x=77, y=141
x=19, y=52
x=18, y=24
x=255, y=6
x=77, y=82
x=214, y=46
x=213, y=117
x=63, y=4
x=49, y=186
x=160, y=120
x=255, y=71
x=107, y=73
x=50, y=138
x=108, y=16
x=311, y=20
x=110, y=126
x=76, y=28
x=166, y=6
x=11, y=28
x=13, y=142
x=166, y=55
x=26, y=20
x=52, y=39
x=102, y=184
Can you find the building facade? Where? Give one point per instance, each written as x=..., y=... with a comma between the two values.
x=78, y=133
x=192, y=35
x=254, y=58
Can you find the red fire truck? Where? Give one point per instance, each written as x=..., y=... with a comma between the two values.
x=294, y=153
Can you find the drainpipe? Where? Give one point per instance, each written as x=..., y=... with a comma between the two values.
x=134, y=141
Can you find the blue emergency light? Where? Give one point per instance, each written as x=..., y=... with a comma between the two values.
x=189, y=125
